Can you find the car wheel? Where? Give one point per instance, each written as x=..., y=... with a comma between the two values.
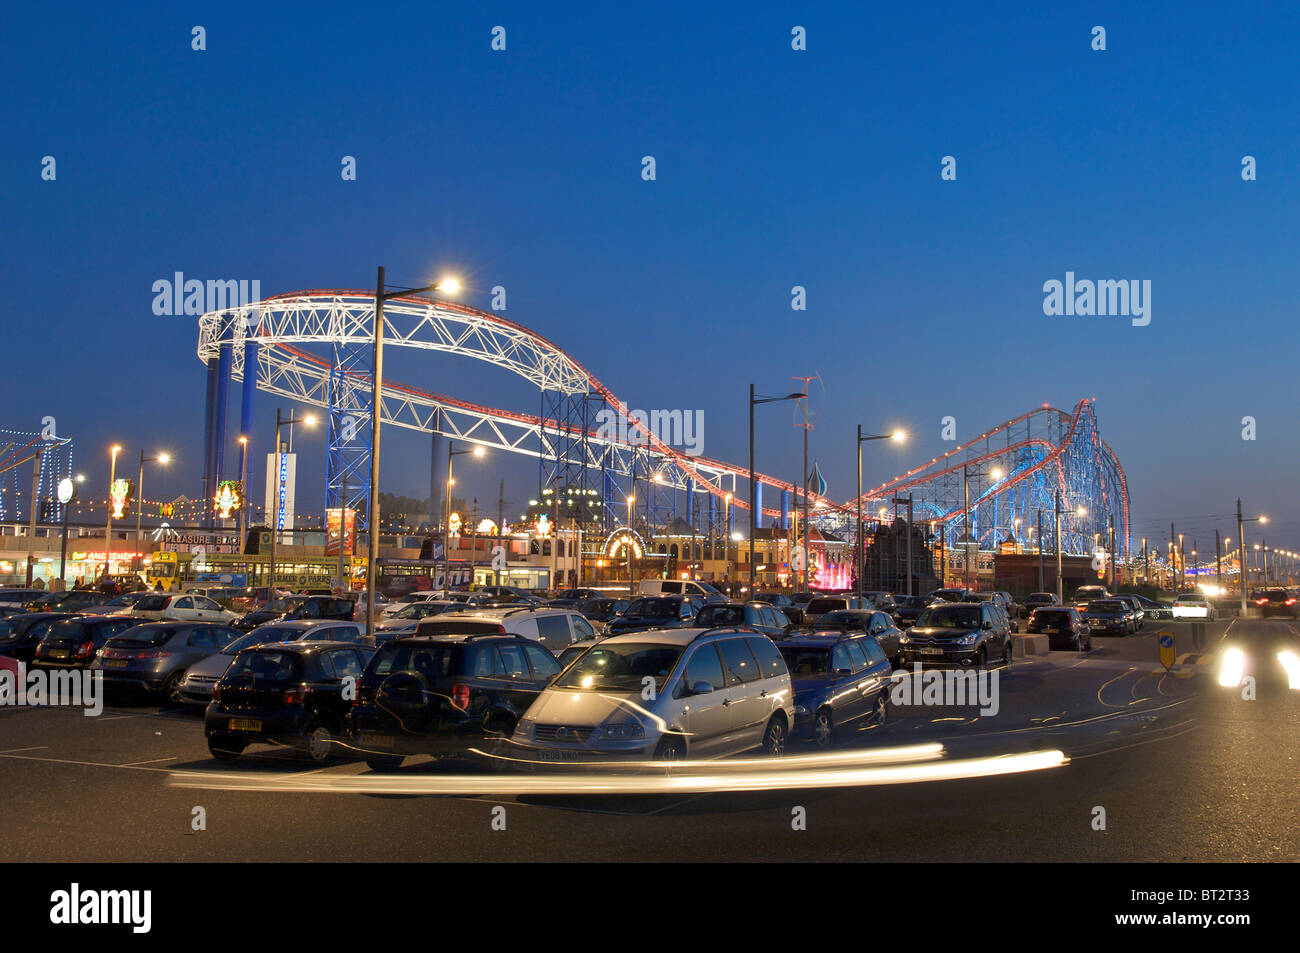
x=774, y=737
x=822, y=728
x=320, y=742
x=171, y=688
x=383, y=762
x=671, y=750
x=225, y=749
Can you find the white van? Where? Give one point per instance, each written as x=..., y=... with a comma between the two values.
x=679, y=587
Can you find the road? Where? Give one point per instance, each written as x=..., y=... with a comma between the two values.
x=1185, y=771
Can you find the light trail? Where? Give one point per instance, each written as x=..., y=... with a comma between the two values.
x=765, y=775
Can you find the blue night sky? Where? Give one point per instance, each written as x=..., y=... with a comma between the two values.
x=775, y=168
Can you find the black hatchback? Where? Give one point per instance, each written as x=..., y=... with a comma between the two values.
x=442, y=695
x=20, y=634
x=1063, y=626
x=289, y=694
x=75, y=642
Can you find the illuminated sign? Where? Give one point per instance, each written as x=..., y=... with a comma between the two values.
x=166, y=510
x=67, y=490
x=340, y=525
x=623, y=537
x=281, y=474
x=543, y=526
x=454, y=523
x=119, y=495
x=230, y=494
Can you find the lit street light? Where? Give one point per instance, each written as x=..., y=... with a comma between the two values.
x=897, y=436
x=274, y=518
x=753, y=515
x=164, y=459
x=446, y=533
x=108, y=531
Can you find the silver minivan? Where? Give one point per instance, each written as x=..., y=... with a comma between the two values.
x=664, y=694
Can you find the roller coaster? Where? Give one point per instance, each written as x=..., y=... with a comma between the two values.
x=315, y=347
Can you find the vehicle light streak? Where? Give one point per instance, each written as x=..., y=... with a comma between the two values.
x=766, y=775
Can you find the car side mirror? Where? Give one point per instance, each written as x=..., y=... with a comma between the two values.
x=843, y=672
x=701, y=688
x=986, y=624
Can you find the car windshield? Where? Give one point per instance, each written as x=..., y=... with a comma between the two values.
x=910, y=602
x=845, y=617
x=621, y=667
x=826, y=605
x=430, y=661
x=806, y=662
x=947, y=595
x=950, y=617
x=597, y=607
x=244, y=641
x=1051, y=615
x=275, y=633
x=721, y=615
x=1105, y=606
x=417, y=610
x=152, y=603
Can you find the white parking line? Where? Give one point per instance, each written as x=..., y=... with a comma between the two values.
x=132, y=764
x=32, y=748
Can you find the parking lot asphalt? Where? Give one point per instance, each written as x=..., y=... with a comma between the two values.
x=1181, y=769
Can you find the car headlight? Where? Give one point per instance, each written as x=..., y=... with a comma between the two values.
x=904, y=639
x=1291, y=662
x=524, y=729
x=627, y=729
x=969, y=639
x=1234, y=663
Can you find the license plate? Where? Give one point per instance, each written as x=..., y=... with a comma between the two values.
x=375, y=741
x=57, y=653
x=245, y=724
x=115, y=663
x=929, y=651
x=1050, y=629
x=557, y=755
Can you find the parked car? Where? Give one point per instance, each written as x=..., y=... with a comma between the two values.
x=154, y=656
x=573, y=651
x=655, y=612
x=759, y=616
x=575, y=596
x=1107, y=617
x=680, y=587
x=839, y=681
x=555, y=629
x=1037, y=600
x=289, y=608
x=778, y=599
x=963, y=633
x=286, y=694
x=602, y=611
x=716, y=692
x=1274, y=602
x=1193, y=605
x=1063, y=626
x=255, y=597
x=1136, y=612
x=201, y=677
x=74, y=642
x=996, y=600
x=444, y=695
x=1085, y=594
x=950, y=595
x=1154, y=610
x=821, y=605
x=907, y=609
x=509, y=595
x=118, y=605
x=70, y=600
x=20, y=597
x=21, y=633
x=407, y=619
x=876, y=623
x=180, y=607
x=880, y=600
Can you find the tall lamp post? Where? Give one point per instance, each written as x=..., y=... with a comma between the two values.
x=446, y=532
x=163, y=459
x=1241, y=550
x=449, y=286
x=754, y=401
x=243, y=492
x=67, y=496
x=898, y=436
x=274, y=517
x=108, y=530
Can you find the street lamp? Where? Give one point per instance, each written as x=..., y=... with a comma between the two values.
x=446, y=533
x=448, y=286
x=753, y=516
x=163, y=459
x=1241, y=550
x=308, y=421
x=243, y=489
x=67, y=496
x=897, y=436
x=108, y=531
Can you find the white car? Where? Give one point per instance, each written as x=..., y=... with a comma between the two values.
x=556, y=629
x=182, y=606
x=407, y=619
x=394, y=606
x=1192, y=606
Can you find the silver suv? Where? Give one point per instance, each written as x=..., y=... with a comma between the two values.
x=665, y=694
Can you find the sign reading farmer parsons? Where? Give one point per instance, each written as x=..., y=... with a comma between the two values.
x=624, y=537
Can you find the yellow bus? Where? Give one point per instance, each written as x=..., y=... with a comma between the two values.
x=163, y=571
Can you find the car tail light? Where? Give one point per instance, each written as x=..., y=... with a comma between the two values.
x=460, y=696
x=1290, y=602
x=1261, y=602
x=216, y=693
x=86, y=648
x=296, y=696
